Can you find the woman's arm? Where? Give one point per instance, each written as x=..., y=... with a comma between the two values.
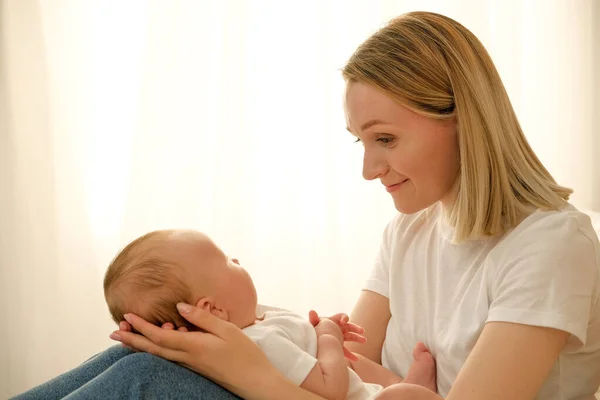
x=509, y=361
x=371, y=372
x=224, y=354
x=372, y=312
x=284, y=389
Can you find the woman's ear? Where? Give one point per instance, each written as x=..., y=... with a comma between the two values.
x=208, y=304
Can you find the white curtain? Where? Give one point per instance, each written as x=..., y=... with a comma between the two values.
x=123, y=116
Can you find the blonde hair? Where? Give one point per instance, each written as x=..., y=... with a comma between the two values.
x=140, y=281
x=436, y=67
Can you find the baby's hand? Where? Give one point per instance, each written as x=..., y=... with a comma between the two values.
x=328, y=327
x=350, y=332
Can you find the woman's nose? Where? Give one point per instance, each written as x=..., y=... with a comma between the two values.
x=374, y=166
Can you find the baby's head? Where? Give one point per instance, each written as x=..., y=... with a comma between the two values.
x=162, y=268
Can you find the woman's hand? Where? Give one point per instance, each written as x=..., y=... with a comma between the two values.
x=350, y=332
x=125, y=326
x=222, y=353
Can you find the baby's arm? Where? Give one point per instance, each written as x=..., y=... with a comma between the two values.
x=329, y=377
x=368, y=370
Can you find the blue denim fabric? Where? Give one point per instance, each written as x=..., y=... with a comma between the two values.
x=119, y=373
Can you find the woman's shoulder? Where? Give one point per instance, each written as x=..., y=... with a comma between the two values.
x=556, y=224
x=550, y=234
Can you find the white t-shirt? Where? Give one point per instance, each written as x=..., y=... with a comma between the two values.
x=290, y=344
x=545, y=272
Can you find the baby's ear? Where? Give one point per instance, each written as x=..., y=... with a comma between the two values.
x=208, y=304
x=205, y=303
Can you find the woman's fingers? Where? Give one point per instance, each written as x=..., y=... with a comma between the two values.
x=166, y=338
x=170, y=326
x=340, y=319
x=124, y=326
x=205, y=320
x=350, y=327
x=349, y=355
x=354, y=337
x=141, y=343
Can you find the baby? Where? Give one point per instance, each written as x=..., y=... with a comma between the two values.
x=162, y=268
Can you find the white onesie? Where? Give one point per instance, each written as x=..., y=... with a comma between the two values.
x=290, y=343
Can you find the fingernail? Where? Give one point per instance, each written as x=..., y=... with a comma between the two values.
x=115, y=336
x=184, y=308
x=127, y=318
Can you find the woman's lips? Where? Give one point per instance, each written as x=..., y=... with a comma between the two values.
x=395, y=187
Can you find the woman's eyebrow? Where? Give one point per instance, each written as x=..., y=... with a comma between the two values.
x=368, y=124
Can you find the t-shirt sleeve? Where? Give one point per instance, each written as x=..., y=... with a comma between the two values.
x=293, y=362
x=547, y=276
x=379, y=278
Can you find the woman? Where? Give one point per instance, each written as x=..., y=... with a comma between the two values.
x=487, y=263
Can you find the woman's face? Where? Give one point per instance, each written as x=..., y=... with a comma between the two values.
x=416, y=158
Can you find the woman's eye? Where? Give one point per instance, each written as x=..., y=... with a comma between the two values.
x=385, y=140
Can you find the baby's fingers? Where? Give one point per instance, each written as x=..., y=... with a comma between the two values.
x=313, y=317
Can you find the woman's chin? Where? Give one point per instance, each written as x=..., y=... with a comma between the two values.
x=405, y=207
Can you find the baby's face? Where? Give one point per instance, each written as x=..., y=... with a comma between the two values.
x=218, y=278
x=235, y=291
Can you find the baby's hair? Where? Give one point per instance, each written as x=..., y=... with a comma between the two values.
x=139, y=280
